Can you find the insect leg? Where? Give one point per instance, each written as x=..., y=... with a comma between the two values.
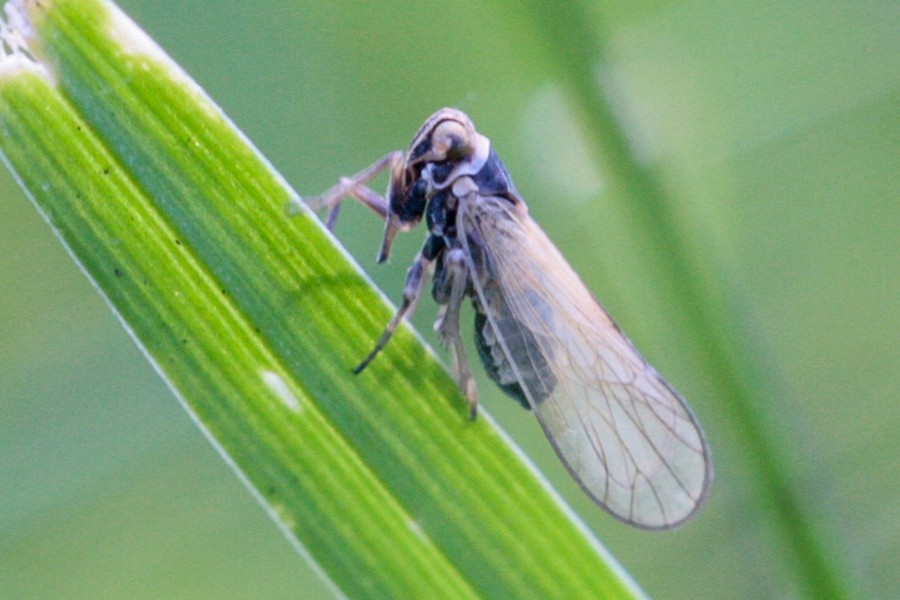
x=448, y=326
x=355, y=187
x=412, y=290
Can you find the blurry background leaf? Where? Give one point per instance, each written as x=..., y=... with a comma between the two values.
x=775, y=130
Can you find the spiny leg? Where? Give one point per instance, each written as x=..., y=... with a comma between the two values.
x=355, y=187
x=448, y=326
x=412, y=290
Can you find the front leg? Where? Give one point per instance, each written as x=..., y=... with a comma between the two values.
x=354, y=187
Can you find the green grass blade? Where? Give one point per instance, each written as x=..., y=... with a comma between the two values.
x=254, y=320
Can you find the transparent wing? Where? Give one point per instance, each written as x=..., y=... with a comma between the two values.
x=624, y=434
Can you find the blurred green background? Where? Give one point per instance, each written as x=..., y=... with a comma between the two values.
x=775, y=129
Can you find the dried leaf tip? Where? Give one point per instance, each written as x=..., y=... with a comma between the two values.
x=16, y=32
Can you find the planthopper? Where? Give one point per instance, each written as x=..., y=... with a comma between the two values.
x=624, y=434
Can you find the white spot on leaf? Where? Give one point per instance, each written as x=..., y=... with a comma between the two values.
x=281, y=389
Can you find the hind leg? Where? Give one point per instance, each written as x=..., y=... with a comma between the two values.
x=447, y=325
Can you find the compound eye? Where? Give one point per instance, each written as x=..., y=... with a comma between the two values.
x=451, y=140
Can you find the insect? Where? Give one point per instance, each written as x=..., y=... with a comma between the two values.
x=628, y=439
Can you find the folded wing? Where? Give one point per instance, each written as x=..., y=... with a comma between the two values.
x=623, y=433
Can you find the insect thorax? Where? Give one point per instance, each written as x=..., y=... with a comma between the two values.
x=490, y=309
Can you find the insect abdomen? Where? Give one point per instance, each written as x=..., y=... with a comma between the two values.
x=530, y=365
x=494, y=361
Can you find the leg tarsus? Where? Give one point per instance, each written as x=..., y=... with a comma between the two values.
x=332, y=216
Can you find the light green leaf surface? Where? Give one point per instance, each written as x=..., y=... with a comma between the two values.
x=254, y=320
